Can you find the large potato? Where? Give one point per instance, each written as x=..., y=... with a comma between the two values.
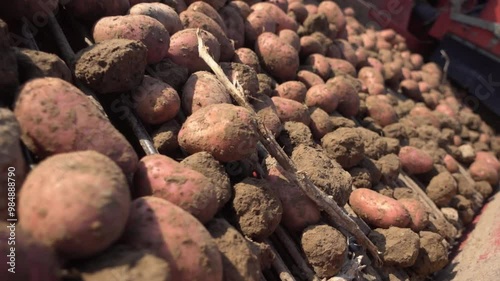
x=226, y=131
x=174, y=235
x=278, y=57
x=76, y=202
x=56, y=117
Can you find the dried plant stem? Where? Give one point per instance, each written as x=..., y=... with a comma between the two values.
x=324, y=202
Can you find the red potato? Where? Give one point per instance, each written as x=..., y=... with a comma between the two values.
x=293, y=90
x=178, y=5
x=242, y=7
x=369, y=75
x=173, y=234
x=267, y=113
x=427, y=115
x=56, y=117
x=320, y=65
x=217, y=4
x=163, y=177
x=298, y=10
x=418, y=213
x=310, y=45
x=347, y=96
x=322, y=96
x=191, y=19
x=152, y=33
x=382, y=112
x=377, y=209
x=446, y=109
x=82, y=220
x=414, y=160
x=483, y=171
x=450, y=163
x=320, y=122
x=488, y=158
x=279, y=58
x=247, y=56
x=235, y=25
x=311, y=8
x=346, y=51
x=342, y=66
x=226, y=131
x=183, y=49
x=309, y=78
x=290, y=110
x=333, y=13
x=161, y=12
x=257, y=23
x=291, y=38
x=155, y=102
x=298, y=210
x=282, y=20
x=202, y=89
x=205, y=8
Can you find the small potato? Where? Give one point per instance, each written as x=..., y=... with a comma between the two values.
x=293, y=90
x=191, y=19
x=257, y=23
x=342, y=66
x=205, y=8
x=309, y=78
x=56, y=117
x=322, y=96
x=310, y=45
x=488, y=158
x=382, y=112
x=290, y=110
x=346, y=51
x=347, y=96
x=216, y=4
x=319, y=65
x=163, y=177
x=65, y=220
x=320, y=122
x=161, y=12
x=152, y=33
x=298, y=10
x=410, y=89
x=155, y=102
x=279, y=58
x=247, y=56
x=282, y=20
x=483, y=171
x=291, y=38
x=226, y=131
x=415, y=161
x=418, y=213
x=173, y=234
x=203, y=89
x=450, y=163
x=333, y=13
x=377, y=209
x=267, y=113
x=183, y=49
x=369, y=75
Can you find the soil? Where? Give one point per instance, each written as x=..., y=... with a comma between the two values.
x=325, y=249
x=266, y=84
x=399, y=246
x=112, y=66
x=345, y=146
x=373, y=170
x=374, y=146
x=441, y=189
x=206, y=164
x=256, y=209
x=238, y=258
x=171, y=73
x=124, y=262
x=433, y=254
x=389, y=166
x=294, y=134
x=244, y=75
x=360, y=177
x=34, y=64
x=165, y=137
x=323, y=172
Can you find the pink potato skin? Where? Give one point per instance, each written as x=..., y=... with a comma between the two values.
x=450, y=163
x=414, y=160
x=201, y=89
x=322, y=96
x=488, y=158
x=161, y=12
x=482, y=171
x=283, y=21
x=418, y=213
x=382, y=112
x=151, y=32
x=377, y=209
x=290, y=110
x=176, y=236
x=163, y=177
x=279, y=58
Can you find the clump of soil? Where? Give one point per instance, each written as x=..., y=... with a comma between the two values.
x=256, y=208
x=374, y=146
x=441, y=189
x=238, y=259
x=433, y=254
x=360, y=177
x=165, y=137
x=34, y=64
x=345, y=146
x=171, y=73
x=293, y=134
x=323, y=172
x=124, y=262
x=390, y=167
x=205, y=163
x=399, y=246
x=325, y=249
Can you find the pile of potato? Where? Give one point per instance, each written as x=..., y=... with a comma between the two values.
x=353, y=108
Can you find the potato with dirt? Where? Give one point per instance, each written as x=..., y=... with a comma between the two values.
x=277, y=57
x=247, y=56
x=290, y=110
x=36, y=64
x=381, y=111
x=322, y=96
x=415, y=161
x=226, y=131
x=320, y=122
x=256, y=208
x=283, y=21
x=202, y=89
x=183, y=49
x=206, y=164
x=82, y=229
x=155, y=101
x=174, y=235
x=242, y=75
x=325, y=249
x=56, y=117
x=161, y=176
x=267, y=113
x=418, y=213
x=239, y=261
x=151, y=33
x=294, y=90
x=101, y=66
x=326, y=174
x=378, y=210
x=161, y=12
x=345, y=146
x=347, y=96
x=165, y=137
